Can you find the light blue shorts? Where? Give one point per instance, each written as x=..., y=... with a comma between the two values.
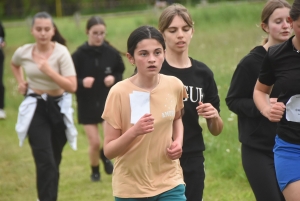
x=175, y=194
x=287, y=162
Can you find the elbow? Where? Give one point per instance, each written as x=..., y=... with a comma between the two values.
x=72, y=88
x=217, y=130
x=107, y=154
x=216, y=133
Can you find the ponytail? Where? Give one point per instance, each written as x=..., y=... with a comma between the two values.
x=58, y=37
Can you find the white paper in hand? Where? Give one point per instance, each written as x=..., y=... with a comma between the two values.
x=139, y=104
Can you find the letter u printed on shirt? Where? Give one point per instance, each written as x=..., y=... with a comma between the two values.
x=195, y=94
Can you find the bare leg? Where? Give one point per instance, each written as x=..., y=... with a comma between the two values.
x=92, y=133
x=292, y=191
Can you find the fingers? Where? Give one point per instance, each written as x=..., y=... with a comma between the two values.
x=88, y=82
x=207, y=111
x=145, y=124
x=109, y=80
x=174, y=151
x=276, y=112
x=22, y=88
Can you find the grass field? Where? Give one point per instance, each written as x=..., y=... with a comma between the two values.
x=224, y=33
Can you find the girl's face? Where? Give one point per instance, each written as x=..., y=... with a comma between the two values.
x=42, y=30
x=148, y=57
x=178, y=35
x=96, y=35
x=278, y=27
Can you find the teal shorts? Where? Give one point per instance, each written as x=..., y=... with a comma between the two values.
x=175, y=194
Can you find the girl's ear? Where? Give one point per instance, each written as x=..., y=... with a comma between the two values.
x=162, y=35
x=130, y=58
x=265, y=27
x=193, y=31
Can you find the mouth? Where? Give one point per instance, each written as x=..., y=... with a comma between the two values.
x=151, y=67
x=180, y=43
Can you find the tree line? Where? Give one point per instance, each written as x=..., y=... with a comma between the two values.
x=23, y=8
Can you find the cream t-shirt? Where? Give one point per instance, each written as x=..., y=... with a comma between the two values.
x=60, y=61
x=144, y=169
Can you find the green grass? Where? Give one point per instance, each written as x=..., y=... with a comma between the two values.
x=224, y=33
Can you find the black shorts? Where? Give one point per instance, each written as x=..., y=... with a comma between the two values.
x=90, y=112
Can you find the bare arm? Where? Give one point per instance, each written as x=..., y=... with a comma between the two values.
x=213, y=119
x=272, y=111
x=215, y=125
x=18, y=74
x=67, y=83
x=116, y=144
x=175, y=150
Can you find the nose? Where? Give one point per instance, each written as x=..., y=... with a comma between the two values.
x=286, y=24
x=180, y=33
x=43, y=32
x=151, y=58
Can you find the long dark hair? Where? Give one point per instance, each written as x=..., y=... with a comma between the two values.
x=57, y=36
x=141, y=33
x=95, y=20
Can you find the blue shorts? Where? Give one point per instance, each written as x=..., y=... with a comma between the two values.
x=175, y=194
x=287, y=162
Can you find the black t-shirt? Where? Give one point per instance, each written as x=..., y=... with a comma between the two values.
x=200, y=86
x=282, y=65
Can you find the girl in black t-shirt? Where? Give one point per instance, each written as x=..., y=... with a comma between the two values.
x=281, y=65
x=257, y=133
x=177, y=27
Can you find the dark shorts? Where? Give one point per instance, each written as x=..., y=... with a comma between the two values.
x=90, y=112
x=175, y=194
x=287, y=162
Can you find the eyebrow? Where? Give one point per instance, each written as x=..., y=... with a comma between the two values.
x=179, y=27
x=148, y=51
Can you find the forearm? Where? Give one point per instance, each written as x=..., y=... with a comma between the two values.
x=119, y=145
x=18, y=73
x=261, y=100
x=215, y=125
x=178, y=131
x=67, y=83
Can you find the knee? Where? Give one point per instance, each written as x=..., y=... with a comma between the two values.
x=95, y=145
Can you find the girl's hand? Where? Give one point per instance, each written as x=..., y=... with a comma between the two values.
x=273, y=101
x=275, y=112
x=42, y=63
x=109, y=80
x=88, y=82
x=22, y=88
x=174, y=151
x=144, y=125
x=207, y=111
